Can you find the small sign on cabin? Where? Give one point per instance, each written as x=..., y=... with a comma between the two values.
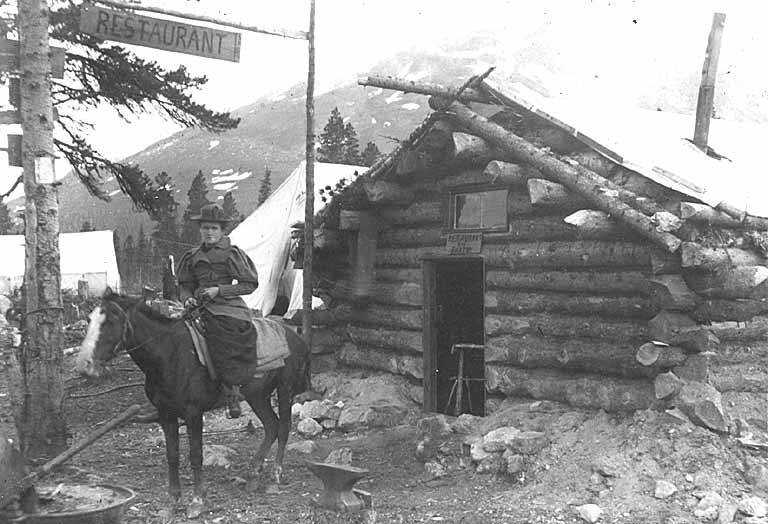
x=159, y=33
x=464, y=243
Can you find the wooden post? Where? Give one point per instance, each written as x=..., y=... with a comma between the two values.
x=707, y=87
x=309, y=206
x=40, y=421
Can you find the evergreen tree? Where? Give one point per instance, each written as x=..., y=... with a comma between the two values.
x=370, y=155
x=129, y=256
x=166, y=234
x=6, y=222
x=86, y=226
x=351, y=146
x=230, y=209
x=266, y=186
x=332, y=139
x=118, y=247
x=198, y=197
x=143, y=258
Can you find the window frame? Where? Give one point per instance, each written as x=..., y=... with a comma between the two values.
x=463, y=190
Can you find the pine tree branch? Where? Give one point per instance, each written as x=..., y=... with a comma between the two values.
x=14, y=186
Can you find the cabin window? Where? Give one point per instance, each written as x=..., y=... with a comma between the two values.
x=479, y=210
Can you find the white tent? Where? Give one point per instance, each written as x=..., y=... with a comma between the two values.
x=265, y=235
x=86, y=256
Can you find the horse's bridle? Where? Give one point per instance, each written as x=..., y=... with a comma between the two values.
x=127, y=326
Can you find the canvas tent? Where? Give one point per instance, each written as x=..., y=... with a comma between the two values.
x=86, y=256
x=265, y=235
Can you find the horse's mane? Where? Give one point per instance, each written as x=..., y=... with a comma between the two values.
x=137, y=302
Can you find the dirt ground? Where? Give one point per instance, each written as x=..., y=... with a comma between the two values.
x=592, y=457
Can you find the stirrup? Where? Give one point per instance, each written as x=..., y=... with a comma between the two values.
x=233, y=407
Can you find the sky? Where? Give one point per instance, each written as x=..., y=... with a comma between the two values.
x=632, y=46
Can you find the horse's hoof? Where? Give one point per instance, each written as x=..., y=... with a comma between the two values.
x=272, y=489
x=195, y=508
x=278, y=475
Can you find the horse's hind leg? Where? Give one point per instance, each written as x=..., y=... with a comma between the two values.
x=261, y=405
x=170, y=427
x=284, y=398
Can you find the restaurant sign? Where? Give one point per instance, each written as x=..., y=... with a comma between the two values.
x=464, y=243
x=159, y=33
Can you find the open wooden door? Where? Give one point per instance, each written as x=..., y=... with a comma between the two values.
x=454, y=313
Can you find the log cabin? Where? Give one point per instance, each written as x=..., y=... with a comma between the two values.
x=534, y=252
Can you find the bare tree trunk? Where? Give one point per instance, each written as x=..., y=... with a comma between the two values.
x=39, y=417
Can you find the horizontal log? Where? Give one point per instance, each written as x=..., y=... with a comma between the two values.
x=677, y=329
x=578, y=254
x=394, y=293
x=421, y=236
x=325, y=341
x=397, y=339
x=424, y=88
x=739, y=310
x=382, y=360
x=751, y=330
x=422, y=212
x=718, y=258
x=350, y=220
x=471, y=150
x=399, y=275
x=519, y=204
x=743, y=376
x=627, y=282
x=660, y=355
x=593, y=161
x=748, y=221
x=568, y=326
x=737, y=282
x=663, y=263
x=703, y=213
x=380, y=315
x=385, y=192
x=583, y=305
x=580, y=354
x=558, y=171
x=579, y=390
x=589, y=220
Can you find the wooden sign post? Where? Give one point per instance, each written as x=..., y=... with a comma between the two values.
x=159, y=33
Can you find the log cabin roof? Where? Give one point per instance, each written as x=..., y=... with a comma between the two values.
x=657, y=145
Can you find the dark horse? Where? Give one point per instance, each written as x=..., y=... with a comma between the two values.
x=179, y=386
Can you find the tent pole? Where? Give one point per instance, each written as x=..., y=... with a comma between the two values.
x=309, y=207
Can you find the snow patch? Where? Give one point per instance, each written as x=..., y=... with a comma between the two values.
x=394, y=97
x=418, y=75
x=113, y=193
x=224, y=187
x=235, y=177
x=216, y=171
x=404, y=70
x=277, y=98
x=350, y=104
x=226, y=171
x=410, y=106
x=387, y=124
x=373, y=120
x=213, y=143
x=375, y=92
x=346, y=119
x=220, y=197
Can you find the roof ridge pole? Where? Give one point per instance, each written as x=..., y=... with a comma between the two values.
x=707, y=88
x=309, y=202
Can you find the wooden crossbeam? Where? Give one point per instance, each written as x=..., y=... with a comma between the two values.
x=9, y=58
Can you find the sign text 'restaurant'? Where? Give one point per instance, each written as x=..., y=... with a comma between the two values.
x=168, y=35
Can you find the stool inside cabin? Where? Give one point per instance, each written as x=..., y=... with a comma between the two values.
x=460, y=381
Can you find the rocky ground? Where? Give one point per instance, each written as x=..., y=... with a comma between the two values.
x=527, y=462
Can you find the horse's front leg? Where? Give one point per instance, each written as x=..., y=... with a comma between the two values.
x=195, y=434
x=170, y=427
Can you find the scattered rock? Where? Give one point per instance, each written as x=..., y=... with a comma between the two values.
x=664, y=489
x=434, y=426
x=476, y=451
x=361, y=417
x=756, y=474
x=500, y=439
x=305, y=447
x=317, y=409
x=329, y=423
x=466, y=423
x=425, y=450
x=435, y=470
x=708, y=514
x=309, y=427
x=295, y=410
x=606, y=467
x=727, y=514
x=492, y=464
x=666, y=384
x=589, y=512
x=217, y=455
x=708, y=507
x=339, y=456
x=755, y=520
x=529, y=442
x=753, y=506
x=515, y=462
x=703, y=404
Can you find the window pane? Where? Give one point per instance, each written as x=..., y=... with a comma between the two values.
x=495, y=209
x=468, y=211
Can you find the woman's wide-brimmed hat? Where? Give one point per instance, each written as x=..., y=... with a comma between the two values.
x=211, y=213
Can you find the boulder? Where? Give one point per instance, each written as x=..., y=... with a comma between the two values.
x=476, y=451
x=341, y=456
x=305, y=447
x=434, y=426
x=362, y=417
x=515, y=462
x=317, y=409
x=500, y=439
x=666, y=385
x=217, y=455
x=589, y=512
x=309, y=427
x=727, y=514
x=492, y=464
x=466, y=423
x=703, y=405
x=664, y=489
x=753, y=506
x=435, y=470
x=529, y=442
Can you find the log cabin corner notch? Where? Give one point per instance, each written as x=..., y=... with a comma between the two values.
x=602, y=254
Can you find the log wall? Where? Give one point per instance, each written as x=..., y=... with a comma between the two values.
x=568, y=303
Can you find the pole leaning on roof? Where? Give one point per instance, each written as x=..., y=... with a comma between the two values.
x=557, y=171
x=309, y=205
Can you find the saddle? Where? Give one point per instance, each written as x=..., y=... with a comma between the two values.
x=271, y=346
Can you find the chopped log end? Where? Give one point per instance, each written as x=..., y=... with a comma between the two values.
x=666, y=221
x=648, y=354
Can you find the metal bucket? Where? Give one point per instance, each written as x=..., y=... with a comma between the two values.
x=110, y=514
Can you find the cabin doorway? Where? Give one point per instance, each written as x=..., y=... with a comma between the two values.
x=454, y=319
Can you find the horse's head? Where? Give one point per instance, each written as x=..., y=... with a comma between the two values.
x=106, y=333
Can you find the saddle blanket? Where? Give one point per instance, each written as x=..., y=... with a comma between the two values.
x=271, y=346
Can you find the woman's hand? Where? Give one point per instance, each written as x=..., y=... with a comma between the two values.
x=190, y=303
x=210, y=293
